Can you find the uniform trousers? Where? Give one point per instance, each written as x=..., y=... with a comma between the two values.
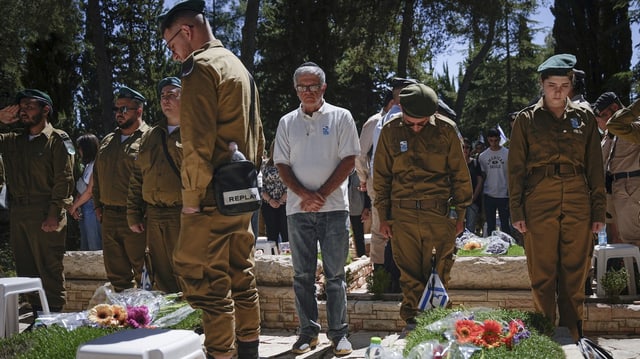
x=626, y=201
x=123, y=250
x=559, y=246
x=376, y=248
x=415, y=233
x=214, y=261
x=38, y=253
x=162, y=230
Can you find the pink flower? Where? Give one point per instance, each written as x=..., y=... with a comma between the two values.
x=138, y=317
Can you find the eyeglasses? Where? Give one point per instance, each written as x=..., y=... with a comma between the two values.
x=168, y=44
x=310, y=88
x=123, y=109
x=420, y=124
x=169, y=97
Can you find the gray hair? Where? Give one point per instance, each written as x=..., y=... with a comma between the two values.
x=309, y=68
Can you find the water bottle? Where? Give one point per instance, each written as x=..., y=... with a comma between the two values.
x=452, y=212
x=236, y=155
x=602, y=236
x=375, y=350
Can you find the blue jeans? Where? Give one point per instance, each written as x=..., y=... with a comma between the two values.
x=90, y=232
x=471, y=217
x=332, y=231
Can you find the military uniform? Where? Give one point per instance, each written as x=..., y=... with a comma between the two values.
x=214, y=256
x=155, y=193
x=39, y=178
x=622, y=163
x=417, y=175
x=123, y=249
x=556, y=185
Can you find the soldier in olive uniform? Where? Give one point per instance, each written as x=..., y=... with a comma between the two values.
x=154, y=201
x=626, y=123
x=419, y=172
x=123, y=249
x=39, y=177
x=214, y=256
x=556, y=193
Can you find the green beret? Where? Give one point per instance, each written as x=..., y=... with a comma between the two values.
x=400, y=82
x=125, y=92
x=173, y=81
x=418, y=100
x=166, y=17
x=35, y=94
x=558, y=65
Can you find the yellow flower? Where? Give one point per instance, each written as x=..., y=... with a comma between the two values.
x=102, y=314
x=119, y=314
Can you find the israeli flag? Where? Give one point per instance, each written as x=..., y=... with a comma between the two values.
x=503, y=137
x=434, y=295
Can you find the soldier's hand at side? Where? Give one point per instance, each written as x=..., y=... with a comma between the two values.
x=521, y=226
x=597, y=227
x=365, y=215
x=137, y=228
x=9, y=114
x=385, y=230
x=190, y=210
x=50, y=224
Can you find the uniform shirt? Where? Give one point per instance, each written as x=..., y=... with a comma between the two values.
x=625, y=156
x=539, y=139
x=625, y=124
x=114, y=163
x=215, y=107
x=153, y=181
x=40, y=170
x=313, y=146
x=424, y=165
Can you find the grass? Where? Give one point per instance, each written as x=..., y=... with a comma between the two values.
x=513, y=251
x=539, y=345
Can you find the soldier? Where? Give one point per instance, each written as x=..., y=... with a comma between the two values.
x=123, y=249
x=214, y=256
x=556, y=192
x=625, y=123
x=39, y=177
x=155, y=188
x=419, y=172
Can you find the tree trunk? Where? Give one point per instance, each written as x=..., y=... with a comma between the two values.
x=405, y=35
x=473, y=66
x=248, y=45
x=95, y=34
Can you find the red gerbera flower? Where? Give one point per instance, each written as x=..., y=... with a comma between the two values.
x=492, y=334
x=467, y=330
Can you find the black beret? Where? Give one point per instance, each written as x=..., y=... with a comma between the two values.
x=173, y=81
x=605, y=100
x=558, y=65
x=400, y=82
x=125, y=92
x=418, y=100
x=167, y=16
x=35, y=94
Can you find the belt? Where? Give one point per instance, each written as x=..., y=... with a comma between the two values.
x=419, y=204
x=621, y=175
x=116, y=208
x=558, y=169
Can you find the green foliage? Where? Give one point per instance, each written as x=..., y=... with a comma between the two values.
x=378, y=282
x=539, y=345
x=513, y=251
x=614, y=281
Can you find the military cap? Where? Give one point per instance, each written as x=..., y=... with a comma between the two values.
x=173, y=81
x=605, y=100
x=167, y=16
x=35, y=94
x=125, y=92
x=418, y=100
x=558, y=65
x=400, y=82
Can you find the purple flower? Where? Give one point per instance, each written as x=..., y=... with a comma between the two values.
x=138, y=317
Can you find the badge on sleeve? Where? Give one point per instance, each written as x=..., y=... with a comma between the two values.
x=404, y=146
x=575, y=123
x=68, y=144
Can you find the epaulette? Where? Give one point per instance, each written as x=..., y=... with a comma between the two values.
x=68, y=144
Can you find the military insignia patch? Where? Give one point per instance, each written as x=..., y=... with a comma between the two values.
x=68, y=144
x=575, y=123
x=404, y=146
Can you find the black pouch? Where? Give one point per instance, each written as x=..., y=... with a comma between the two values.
x=235, y=185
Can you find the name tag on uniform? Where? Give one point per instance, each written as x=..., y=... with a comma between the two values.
x=404, y=146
